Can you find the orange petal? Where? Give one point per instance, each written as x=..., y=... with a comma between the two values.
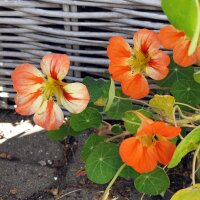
x=147, y=161
x=26, y=79
x=75, y=97
x=151, y=129
x=146, y=40
x=180, y=53
x=118, y=48
x=142, y=159
x=135, y=86
x=158, y=66
x=55, y=65
x=165, y=151
x=169, y=131
x=127, y=150
x=49, y=116
x=169, y=36
x=28, y=104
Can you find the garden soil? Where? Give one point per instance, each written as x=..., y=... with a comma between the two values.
x=35, y=168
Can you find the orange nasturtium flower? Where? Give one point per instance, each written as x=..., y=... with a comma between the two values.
x=43, y=93
x=129, y=65
x=150, y=146
x=172, y=38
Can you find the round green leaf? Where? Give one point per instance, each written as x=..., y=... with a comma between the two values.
x=89, y=118
x=176, y=73
x=90, y=145
x=103, y=163
x=188, y=144
x=152, y=183
x=62, y=132
x=186, y=91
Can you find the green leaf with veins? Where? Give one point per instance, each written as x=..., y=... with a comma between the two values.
x=152, y=183
x=186, y=91
x=176, y=73
x=89, y=118
x=103, y=163
x=90, y=144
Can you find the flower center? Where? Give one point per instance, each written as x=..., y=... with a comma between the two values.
x=53, y=88
x=148, y=140
x=138, y=61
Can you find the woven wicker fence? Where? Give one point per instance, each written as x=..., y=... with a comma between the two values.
x=81, y=28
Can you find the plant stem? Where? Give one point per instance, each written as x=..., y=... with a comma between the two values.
x=118, y=136
x=106, y=193
x=194, y=164
x=134, y=100
x=187, y=105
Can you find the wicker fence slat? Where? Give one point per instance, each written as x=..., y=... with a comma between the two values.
x=30, y=29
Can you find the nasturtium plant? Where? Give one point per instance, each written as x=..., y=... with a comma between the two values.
x=137, y=129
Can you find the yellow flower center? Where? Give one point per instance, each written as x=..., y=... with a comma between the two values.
x=53, y=88
x=148, y=140
x=138, y=61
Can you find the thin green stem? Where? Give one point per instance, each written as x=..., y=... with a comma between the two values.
x=134, y=100
x=118, y=136
x=106, y=193
x=187, y=105
x=194, y=164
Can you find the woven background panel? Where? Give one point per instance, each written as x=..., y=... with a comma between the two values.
x=30, y=29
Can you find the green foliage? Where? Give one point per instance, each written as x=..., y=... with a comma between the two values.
x=175, y=74
x=98, y=89
x=190, y=193
x=103, y=163
x=111, y=95
x=186, y=91
x=163, y=105
x=89, y=118
x=62, y=132
x=176, y=12
x=129, y=173
x=188, y=144
x=90, y=144
x=132, y=121
x=196, y=76
x=119, y=106
x=116, y=128
x=152, y=183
